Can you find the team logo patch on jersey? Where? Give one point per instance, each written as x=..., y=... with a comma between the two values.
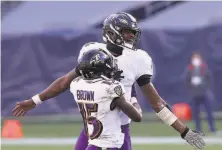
x=118, y=90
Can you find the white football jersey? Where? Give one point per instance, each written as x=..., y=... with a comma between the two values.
x=134, y=64
x=101, y=119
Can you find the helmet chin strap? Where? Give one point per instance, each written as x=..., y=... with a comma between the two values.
x=128, y=45
x=114, y=49
x=124, y=45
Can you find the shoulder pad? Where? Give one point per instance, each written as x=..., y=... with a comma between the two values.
x=77, y=79
x=142, y=54
x=90, y=43
x=108, y=82
x=116, y=89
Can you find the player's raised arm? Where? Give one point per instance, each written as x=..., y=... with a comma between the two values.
x=161, y=108
x=57, y=87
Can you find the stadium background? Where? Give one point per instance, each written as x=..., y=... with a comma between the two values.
x=41, y=41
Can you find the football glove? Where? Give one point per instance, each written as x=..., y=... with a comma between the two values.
x=194, y=138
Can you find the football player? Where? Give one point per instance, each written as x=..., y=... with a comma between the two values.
x=121, y=35
x=100, y=97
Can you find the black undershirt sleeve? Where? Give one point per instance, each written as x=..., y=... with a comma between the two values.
x=144, y=79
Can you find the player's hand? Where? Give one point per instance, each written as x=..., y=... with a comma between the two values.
x=194, y=138
x=22, y=108
x=117, y=75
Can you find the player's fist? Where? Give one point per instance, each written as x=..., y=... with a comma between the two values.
x=194, y=138
x=22, y=107
x=117, y=75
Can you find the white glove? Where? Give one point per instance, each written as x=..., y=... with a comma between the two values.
x=194, y=138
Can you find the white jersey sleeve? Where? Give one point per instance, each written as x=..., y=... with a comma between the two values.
x=116, y=90
x=145, y=64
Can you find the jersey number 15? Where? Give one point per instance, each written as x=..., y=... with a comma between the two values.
x=86, y=110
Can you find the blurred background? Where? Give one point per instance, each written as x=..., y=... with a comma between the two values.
x=40, y=42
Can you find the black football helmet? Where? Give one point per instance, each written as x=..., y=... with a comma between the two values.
x=121, y=29
x=96, y=62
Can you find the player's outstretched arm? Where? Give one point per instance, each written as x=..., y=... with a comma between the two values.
x=161, y=108
x=131, y=111
x=57, y=87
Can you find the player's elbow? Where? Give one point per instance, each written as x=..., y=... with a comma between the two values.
x=64, y=81
x=137, y=118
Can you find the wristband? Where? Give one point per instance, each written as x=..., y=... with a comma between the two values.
x=36, y=99
x=185, y=132
x=167, y=116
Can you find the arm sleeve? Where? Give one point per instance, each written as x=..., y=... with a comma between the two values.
x=145, y=65
x=144, y=79
x=145, y=70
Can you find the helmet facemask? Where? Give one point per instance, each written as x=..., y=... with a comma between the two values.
x=130, y=37
x=123, y=37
